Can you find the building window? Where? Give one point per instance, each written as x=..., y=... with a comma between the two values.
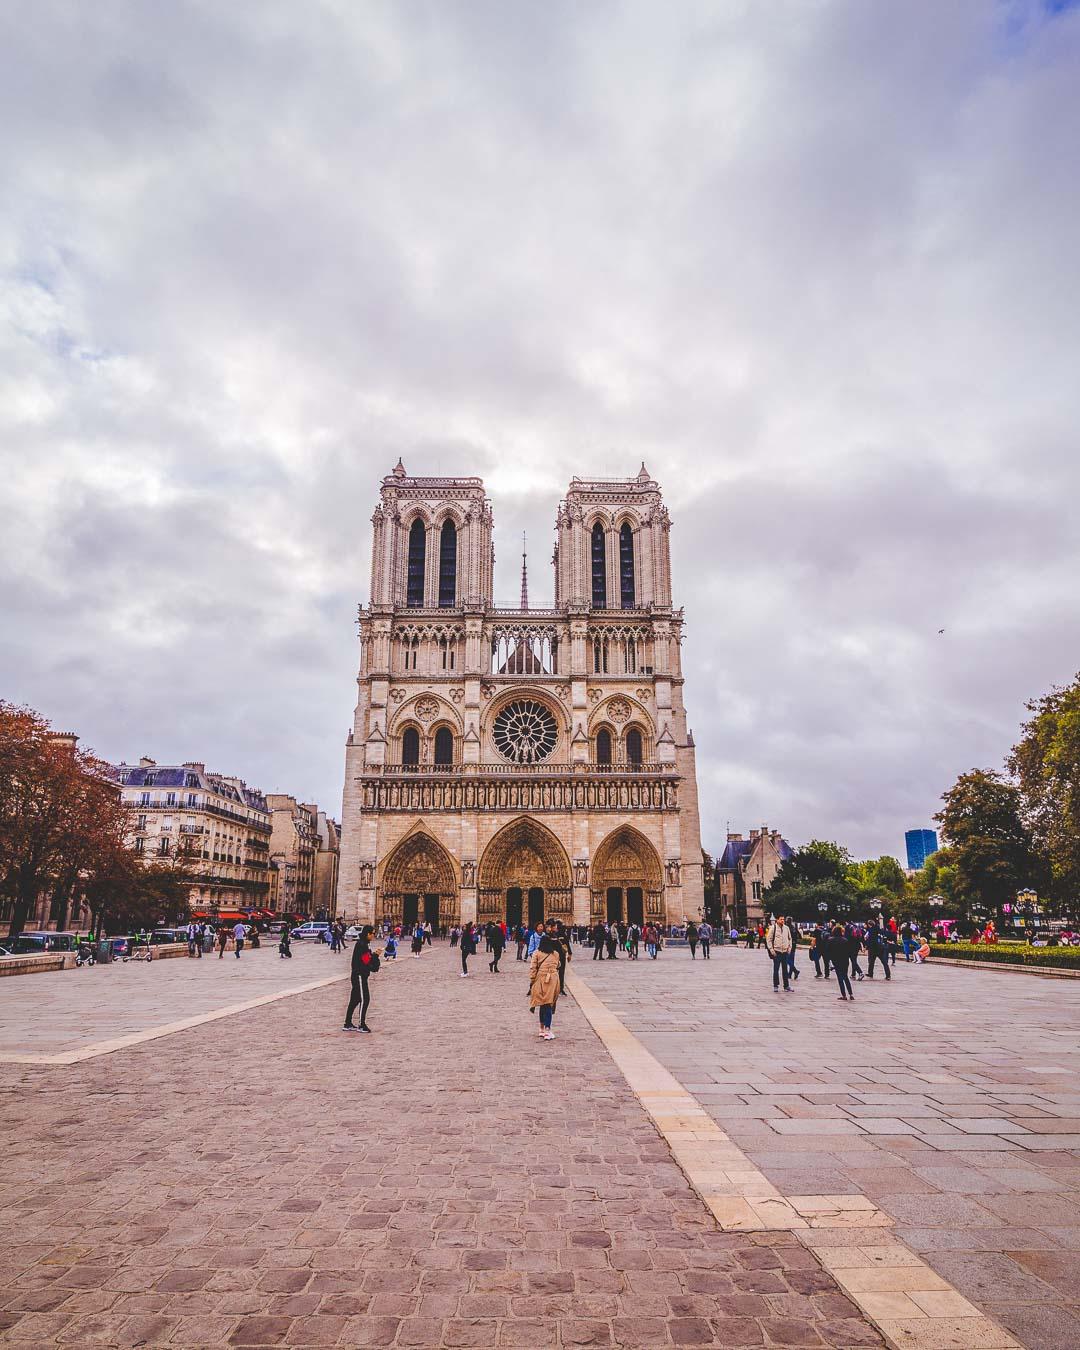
x=192, y=799
x=755, y=888
x=140, y=845
x=603, y=746
x=144, y=799
x=170, y=799
x=142, y=823
x=448, y=566
x=444, y=746
x=414, y=596
x=633, y=746
x=599, y=567
x=410, y=747
x=626, y=566
x=163, y=846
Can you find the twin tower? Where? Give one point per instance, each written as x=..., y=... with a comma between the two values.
x=526, y=763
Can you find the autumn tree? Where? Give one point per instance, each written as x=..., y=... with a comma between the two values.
x=61, y=821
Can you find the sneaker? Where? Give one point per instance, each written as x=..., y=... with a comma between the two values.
x=789, y=990
x=349, y=1027
x=364, y=1028
x=549, y=1035
x=842, y=998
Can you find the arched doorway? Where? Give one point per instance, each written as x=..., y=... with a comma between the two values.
x=524, y=876
x=627, y=882
x=418, y=883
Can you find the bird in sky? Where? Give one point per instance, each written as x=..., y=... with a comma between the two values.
x=941, y=630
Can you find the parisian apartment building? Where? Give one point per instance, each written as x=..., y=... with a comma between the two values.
x=744, y=871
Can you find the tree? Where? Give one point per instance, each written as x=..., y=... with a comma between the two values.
x=60, y=820
x=877, y=878
x=991, y=849
x=814, y=875
x=1046, y=763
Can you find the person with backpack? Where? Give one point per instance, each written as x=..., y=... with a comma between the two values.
x=778, y=944
x=365, y=963
x=877, y=944
x=705, y=937
x=521, y=938
x=285, y=943
x=468, y=948
x=692, y=938
x=633, y=939
x=544, y=982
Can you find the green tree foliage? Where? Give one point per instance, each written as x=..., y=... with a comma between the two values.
x=991, y=849
x=1046, y=764
x=877, y=878
x=815, y=874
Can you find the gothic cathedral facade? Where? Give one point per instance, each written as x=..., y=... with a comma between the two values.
x=525, y=763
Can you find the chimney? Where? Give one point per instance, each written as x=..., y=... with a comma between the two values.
x=194, y=765
x=147, y=763
x=67, y=740
x=753, y=836
x=734, y=838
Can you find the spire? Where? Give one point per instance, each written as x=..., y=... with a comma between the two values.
x=643, y=473
x=399, y=469
x=524, y=575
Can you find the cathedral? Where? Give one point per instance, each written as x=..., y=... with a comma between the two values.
x=522, y=763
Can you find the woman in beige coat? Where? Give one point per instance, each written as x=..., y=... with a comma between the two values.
x=544, y=983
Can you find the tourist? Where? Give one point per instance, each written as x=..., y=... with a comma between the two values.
x=612, y=941
x=692, y=938
x=455, y=933
x=496, y=942
x=554, y=926
x=778, y=945
x=417, y=941
x=877, y=945
x=633, y=938
x=365, y=963
x=840, y=948
x=285, y=943
x=793, y=970
x=534, y=939
x=599, y=939
x=544, y=984
x=819, y=952
x=427, y=933
x=906, y=939
x=652, y=939
x=192, y=938
x=521, y=938
x=468, y=948
x=222, y=940
x=705, y=937
x=239, y=933
x=390, y=950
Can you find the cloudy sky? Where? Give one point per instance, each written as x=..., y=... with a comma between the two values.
x=815, y=263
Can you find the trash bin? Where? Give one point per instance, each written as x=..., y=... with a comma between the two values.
x=104, y=953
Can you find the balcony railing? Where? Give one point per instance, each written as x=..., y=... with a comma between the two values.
x=502, y=769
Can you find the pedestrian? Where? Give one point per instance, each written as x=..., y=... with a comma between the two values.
x=793, y=970
x=612, y=941
x=877, y=944
x=856, y=943
x=365, y=963
x=599, y=939
x=839, y=949
x=692, y=938
x=417, y=941
x=285, y=943
x=428, y=933
x=521, y=938
x=497, y=941
x=534, y=940
x=544, y=983
x=222, y=939
x=652, y=939
x=239, y=933
x=906, y=939
x=468, y=948
x=817, y=951
x=455, y=933
x=192, y=938
x=705, y=936
x=778, y=945
x=633, y=938
x=390, y=949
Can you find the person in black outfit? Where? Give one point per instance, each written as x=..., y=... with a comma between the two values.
x=840, y=949
x=599, y=938
x=468, y=948
x=877, y=944
x=692, y=938
x=365, y=963
x=496, y=942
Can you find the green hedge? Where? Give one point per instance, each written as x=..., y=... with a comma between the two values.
x=1068, y=957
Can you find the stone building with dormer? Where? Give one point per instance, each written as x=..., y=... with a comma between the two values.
x=519, y=763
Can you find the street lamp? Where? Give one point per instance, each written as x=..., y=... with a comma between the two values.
x=823, y=908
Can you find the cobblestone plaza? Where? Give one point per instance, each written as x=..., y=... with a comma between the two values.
x=197, y=1156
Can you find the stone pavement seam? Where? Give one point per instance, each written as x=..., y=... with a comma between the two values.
x=894, y=1288
x=169, y=1029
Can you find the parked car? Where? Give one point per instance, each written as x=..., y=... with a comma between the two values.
x=309, y=930
x=353, y=932
x=27, y=943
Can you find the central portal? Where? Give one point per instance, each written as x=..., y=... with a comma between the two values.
x=524, y=906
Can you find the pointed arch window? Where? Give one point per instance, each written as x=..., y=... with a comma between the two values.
x=448, y=565
x=626, y=566
x=599, y=567
x=444, y=747
x=603, y=746
x=410, y=748
x=414, y=596
x=633, y=746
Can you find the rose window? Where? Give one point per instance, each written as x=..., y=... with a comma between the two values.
x=525, y=732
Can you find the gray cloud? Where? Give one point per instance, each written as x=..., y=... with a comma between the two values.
x=814, y=264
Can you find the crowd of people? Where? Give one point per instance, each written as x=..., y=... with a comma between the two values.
x=835, y=948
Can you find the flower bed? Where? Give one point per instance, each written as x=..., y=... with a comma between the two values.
x=1011, y=953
